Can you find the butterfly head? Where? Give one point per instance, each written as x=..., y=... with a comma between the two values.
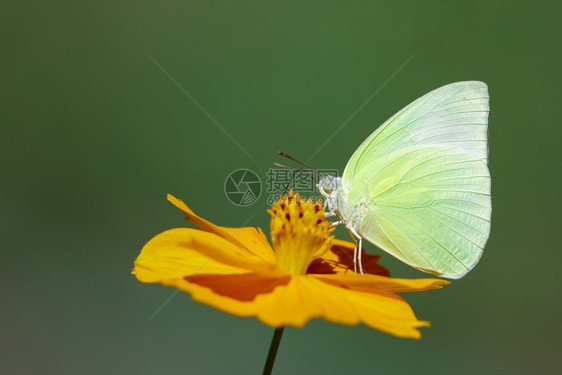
x=328, y=184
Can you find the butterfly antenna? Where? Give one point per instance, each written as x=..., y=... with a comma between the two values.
x=283, y=165
x=298, y=161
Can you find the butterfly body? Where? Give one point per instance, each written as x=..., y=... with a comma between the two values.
x=419, y=186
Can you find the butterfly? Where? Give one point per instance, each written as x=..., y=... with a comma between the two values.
x=419, y=186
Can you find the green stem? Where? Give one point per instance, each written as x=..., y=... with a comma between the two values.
x=275, y=341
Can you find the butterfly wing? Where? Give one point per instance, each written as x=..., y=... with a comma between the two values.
x=429, y=206
x=455, y=114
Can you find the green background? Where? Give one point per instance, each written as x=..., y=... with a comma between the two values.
x=94, y=135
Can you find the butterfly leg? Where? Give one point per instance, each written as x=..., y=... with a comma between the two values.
x=359, y=257
x=355, y=259
x=357, y=251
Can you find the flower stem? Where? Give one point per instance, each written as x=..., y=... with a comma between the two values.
x=275, y=341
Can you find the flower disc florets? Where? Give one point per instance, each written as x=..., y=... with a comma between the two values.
x=299, y=232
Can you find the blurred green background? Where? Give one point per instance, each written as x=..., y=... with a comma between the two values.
x=94, y=134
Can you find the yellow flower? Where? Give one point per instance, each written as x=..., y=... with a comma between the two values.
x=307, y=274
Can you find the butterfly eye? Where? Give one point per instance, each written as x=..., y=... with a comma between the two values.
x=328, y=184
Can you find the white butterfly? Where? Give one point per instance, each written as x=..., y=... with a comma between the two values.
x=419, y=186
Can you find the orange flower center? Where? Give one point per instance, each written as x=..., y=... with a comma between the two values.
x=299, y=232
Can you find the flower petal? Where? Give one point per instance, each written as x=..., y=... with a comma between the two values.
x=390, y=284
x=181, y=252
x=339, y=259
x=246, y=238
x=293, y=300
